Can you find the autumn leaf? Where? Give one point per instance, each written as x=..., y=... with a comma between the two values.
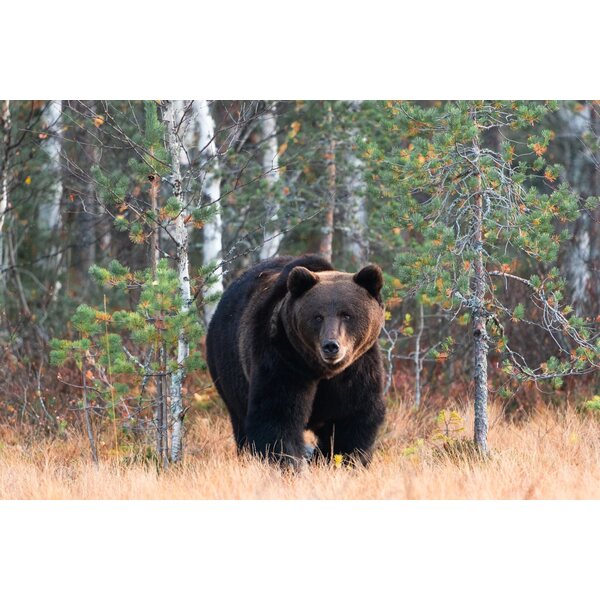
x=98, y=121
x=295, y=128
x=27, y=180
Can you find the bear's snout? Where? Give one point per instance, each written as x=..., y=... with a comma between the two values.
x=332, y=352
x=330, y=348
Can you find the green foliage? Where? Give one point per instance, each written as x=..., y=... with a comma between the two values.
x=593, y=405
x=121, y=348
x=446, y=169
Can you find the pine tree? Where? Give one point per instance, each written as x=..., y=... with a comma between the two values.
x=469, y=210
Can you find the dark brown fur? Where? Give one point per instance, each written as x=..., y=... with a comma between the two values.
x=269, y=346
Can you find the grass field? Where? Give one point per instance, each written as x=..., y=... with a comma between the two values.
x=551, y=455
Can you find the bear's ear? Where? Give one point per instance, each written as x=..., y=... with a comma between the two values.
x=371, y=278
x=300, y=280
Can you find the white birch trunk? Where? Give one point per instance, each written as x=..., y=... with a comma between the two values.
x=180, y=235
x=211, y=191
x=4, y=196
x=49, y=211
x=581, y=261
x=326, y=244
x=353, y=214
x=270, y=165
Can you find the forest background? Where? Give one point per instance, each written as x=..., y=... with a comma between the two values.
x=113, y=210
x=352, y=54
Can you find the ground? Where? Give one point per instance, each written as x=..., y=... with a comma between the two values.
x=553, y=454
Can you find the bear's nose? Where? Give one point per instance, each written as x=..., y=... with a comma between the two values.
x=330, y=347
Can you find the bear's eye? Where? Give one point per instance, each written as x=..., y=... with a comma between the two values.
x=319, y=318
x=346, y=316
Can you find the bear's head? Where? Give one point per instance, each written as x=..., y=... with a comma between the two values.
x=332, y=318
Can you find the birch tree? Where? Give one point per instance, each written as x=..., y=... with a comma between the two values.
x=352, y=214
x=577, y=145
x=4, y=175
x=211, y=193
x=326, y=245
x=172, y=118
x=471, y=210
x=270, y=165
x=49, y=216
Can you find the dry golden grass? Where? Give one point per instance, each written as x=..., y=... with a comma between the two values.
x=552, y=455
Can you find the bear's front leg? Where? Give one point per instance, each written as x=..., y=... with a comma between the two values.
x=352, y=437
x=349, y=409
x=279, y=406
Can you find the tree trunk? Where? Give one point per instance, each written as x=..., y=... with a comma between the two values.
x=418, y=358
x=270, y=164
x=4, y=174
x=155, y=233
x=87, y=412
x=326, y=246
x=581, y=260
x=49, y=210
x=172, y=118
x=88, y=211
x=478, y=313
x=352, y=216
x=211, y=192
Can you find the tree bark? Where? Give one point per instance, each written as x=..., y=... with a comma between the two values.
x=211, y=192
x=479, y=318
x=326, y=245
x=4, y=175
x=49, y=210
x=352, y=216
x=581, y=260
x=418, y=359
x=86, y=413
x=270, y=165
x=172, y=119
x=88, y=215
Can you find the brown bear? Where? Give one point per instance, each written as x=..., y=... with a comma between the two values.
x=293, y=346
